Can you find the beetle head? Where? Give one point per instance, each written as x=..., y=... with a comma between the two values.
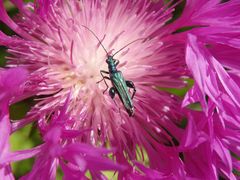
x=109, y=59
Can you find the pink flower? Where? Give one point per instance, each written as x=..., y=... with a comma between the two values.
x=11, y=82
x=62, y=56
x=214, y=131
x=64, y=45
x=59, y=149
x=209, y=54
x=74, y=158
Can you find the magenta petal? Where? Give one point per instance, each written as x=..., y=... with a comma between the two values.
x=11, y=81
x=208, y=72
x=5, y=130
x=6, y=172
x=85, y=148
x=46, y=168
x=192, y=136
x=8, y=21
x=226, y=161
x=3, y=39
x=226, y=55
x=21, y=155
x=201, y=70
x=20, y=5
x=71, y=172
x=151, y=173
x=194, y=95
x=198, y=163
x=43, y=7
x=228, y=83
x=93, y=158
x=12, y=77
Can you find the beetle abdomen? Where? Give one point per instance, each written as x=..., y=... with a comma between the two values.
x=119, y=83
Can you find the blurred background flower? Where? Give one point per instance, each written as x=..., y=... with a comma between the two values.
x=50, y=83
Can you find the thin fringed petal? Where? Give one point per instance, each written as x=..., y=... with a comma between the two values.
x=46, y=168
x=22, y=6
x=10, y=87
x=71, y=172
x=198, y=163
x=194, y=95
x=229, y=85
x=213, y=81
x=226, y=55
x=212, y=17
x=8, y=21
x=6, y=172
x=216, y=24
x=11, y=81
x=216, y=146
x=74, y=158
x=92, y=158
x=192, y=136
x=223, y=153
x=42, y=7
x=21, y=155
x=208, y=73
x=5, y=130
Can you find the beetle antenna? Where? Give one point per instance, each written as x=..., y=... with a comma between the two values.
x=95, y=37
x=128, y=45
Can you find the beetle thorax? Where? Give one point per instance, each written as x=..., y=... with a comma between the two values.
x=111, y=64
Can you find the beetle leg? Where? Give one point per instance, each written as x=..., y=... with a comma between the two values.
x=103, y=79
x=116, y=62
x=130, y=84
x=112, y=92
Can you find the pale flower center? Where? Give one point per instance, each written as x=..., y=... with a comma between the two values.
x=77, y=78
